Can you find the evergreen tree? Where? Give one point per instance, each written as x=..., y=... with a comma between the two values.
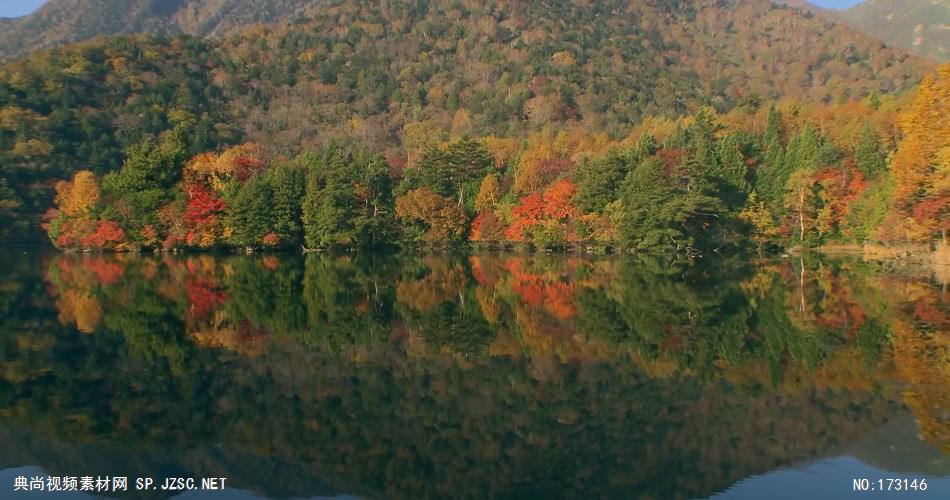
x=453, y=171
x=773, y=128
x=868, y=154
x=374, y=218
x=701, y=137
x=652, y=209
x=731, y=172
x=805, y=151
x=644, y=148
x=328, y=201
x=250, y=214
x=287, y=187
x=598, y=182
x=149, y=166
x=348, y=200
x=674, y=210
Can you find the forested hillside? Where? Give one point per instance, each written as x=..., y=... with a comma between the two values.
x=920, y=26
x=644, y=124
x=60, y=22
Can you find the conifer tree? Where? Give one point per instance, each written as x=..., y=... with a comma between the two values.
x=868, y=154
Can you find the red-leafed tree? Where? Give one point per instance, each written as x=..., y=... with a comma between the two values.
x=545, y=218
x=107, y=235
x=487, y=227
x=201, y=216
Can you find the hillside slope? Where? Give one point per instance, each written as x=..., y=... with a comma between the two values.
x=391, y=73
x=921, y=26
x=66, y=21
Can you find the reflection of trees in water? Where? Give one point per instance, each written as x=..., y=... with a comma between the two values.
x=526, y=374
x=922, y=356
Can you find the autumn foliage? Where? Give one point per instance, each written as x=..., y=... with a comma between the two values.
x=921, y=165
x=545, y=217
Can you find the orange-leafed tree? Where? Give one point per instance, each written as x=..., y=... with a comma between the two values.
x=921, y=166
x=431, y=217
x=73, y=219
x=487, y=227
x=238, y=162
x=78, y=196
x=545, y=218
x=108, y=235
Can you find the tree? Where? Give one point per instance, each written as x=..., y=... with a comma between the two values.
x=488, y=193
x=149, y=166
x=348, y=199
x=487, y=227
x=250, y=214
x=771, y=174
x=545, y=218
x=202, y=216
x=287, y=187
x=441, y=220
x=502, y=149
x=79, y=196
x=599, y=181
x=921, y=165
x=669, y=206
x=328, y=201
x=453, y=170
x=107, y=235
x=798, y=200
x=731, y=172
x=146, y=182
x=868, y=154
x=759, y=218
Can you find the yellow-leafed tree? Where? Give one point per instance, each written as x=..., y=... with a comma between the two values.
x=921, y=165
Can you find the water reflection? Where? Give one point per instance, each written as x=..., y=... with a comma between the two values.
x=461, y=375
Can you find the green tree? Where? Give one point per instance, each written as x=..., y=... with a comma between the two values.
x=287, y=187
x=731, y=172
x=868, y=154
x=453, y=171
x=599, y=181
x=250, y=211
x=662, y=210
x=348, y=200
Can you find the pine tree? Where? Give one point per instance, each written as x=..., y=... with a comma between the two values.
x=448, y=171
x=773, y=128
x=250, y=214
x=868, y=154
x=287, y=186
x=598, y=182
x=770, y=175
x=731, y=172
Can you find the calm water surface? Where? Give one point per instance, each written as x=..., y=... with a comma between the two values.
x=473, y=376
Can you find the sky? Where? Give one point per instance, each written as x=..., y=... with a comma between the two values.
x=17, y=8
x=836, y=4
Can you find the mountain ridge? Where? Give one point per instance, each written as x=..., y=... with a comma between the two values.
x=60, y=22
x=922, y=27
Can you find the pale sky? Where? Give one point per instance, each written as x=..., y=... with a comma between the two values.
x=836, y=4
x=17, y=8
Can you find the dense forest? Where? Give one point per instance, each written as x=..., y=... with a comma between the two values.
x=686, y=125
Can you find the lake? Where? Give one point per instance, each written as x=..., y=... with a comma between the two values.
x=473, y=375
